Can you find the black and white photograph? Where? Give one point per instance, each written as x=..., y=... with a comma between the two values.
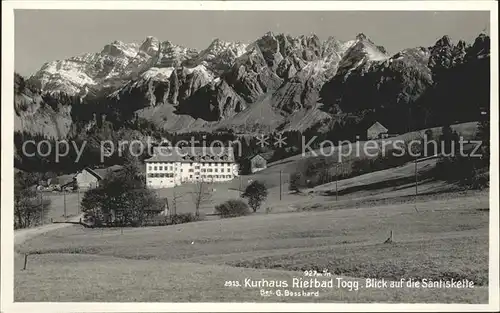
x=219, y=154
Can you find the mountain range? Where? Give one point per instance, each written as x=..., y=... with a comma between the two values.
x=276, y=83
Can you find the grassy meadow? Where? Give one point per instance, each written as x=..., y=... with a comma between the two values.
x=446, y=238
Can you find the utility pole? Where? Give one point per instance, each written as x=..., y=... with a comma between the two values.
x=337, y=183
x=41, y=205
x=64, y=192
x=174, y=203
x=416, y=180
x=280, y=186
x=416, y=185
x=168, y=207
x=78, y=212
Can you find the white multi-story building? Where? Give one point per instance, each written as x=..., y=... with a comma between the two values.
x=171, y=166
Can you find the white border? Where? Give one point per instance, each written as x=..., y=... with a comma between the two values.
x=7, y=304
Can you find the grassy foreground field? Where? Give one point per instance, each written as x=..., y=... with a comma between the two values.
x=446, y=239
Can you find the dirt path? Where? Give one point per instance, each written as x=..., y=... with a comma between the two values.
x=22, y=235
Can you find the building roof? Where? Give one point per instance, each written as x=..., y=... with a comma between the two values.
x=93, y=173
x=100, y=173
x=265, y=155
x=192, y=154
x=378, y=127
x=62, y=180
x=257, y=155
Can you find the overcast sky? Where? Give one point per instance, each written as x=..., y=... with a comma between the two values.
x=47, y=35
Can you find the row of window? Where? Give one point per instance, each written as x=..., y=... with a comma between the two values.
x=156, y=168
x=160, y=167
x=216, y=176
x=209, y=170
x=161, y=175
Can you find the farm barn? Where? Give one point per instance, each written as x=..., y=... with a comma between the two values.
x=376, y=131
x=257, y=163
x=89, y=178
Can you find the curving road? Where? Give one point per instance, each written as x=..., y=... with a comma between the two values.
x=22, y=235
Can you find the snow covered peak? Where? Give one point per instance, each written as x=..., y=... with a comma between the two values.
x=118, y=62
x=119, y=49
x=361, y=36
x=359, y=52
x=172, y=55
x=150, y=45
x=219, y=46
x=444, y=41
x=162, y=74
x=219, y=56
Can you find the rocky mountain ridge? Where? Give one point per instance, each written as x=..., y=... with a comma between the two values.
x=288, y=80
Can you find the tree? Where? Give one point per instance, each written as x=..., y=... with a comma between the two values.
x=256, y=193
x=431, y=148
x=484, y=135
x=29, y=209
x=201, y=194
x=121, y=198
x=172, y=204
x=446, y=139
x=296, y=181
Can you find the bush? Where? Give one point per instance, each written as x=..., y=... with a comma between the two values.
x=466, y=172
x=297, y=182
x=232, y=208
x=182, y=218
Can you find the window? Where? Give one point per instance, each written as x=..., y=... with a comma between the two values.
x=203, y=170
x=150, y=167
x=161, y=168
x=190, y=170
x=170, y=167
x=216, y=170
x=190, y=176
x=228, y=170
x=156, y=168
